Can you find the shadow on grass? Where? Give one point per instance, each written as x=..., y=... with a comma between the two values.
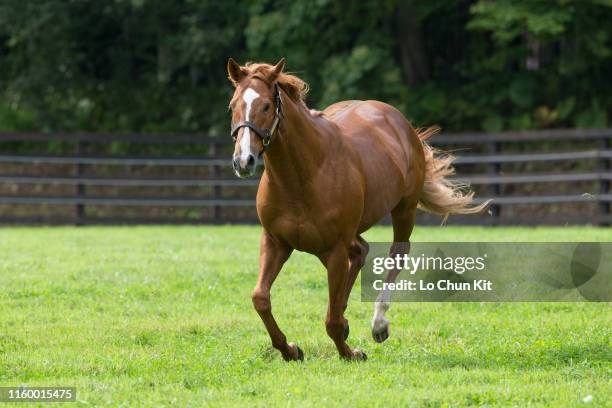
x=592, y=355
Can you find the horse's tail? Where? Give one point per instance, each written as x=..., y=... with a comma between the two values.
x=440, y=195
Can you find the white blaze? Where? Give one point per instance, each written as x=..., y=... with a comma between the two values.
x=245, y=143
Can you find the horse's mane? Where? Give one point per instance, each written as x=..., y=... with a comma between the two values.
x=295, y=87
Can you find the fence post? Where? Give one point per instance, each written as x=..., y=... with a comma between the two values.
x=604, y=184
x=80, y=188
x=495, y=189
x=216, y=172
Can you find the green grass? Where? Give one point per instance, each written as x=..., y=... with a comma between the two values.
x=163, y=316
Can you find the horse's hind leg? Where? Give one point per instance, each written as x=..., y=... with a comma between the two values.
x=357, y=255
x=402, y=218
x=273, y=254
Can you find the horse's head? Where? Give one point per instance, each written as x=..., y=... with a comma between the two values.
x=256, y=112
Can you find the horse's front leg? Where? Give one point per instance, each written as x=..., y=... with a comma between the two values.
x=272, y=255
x=337, y=264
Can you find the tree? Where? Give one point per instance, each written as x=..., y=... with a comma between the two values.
x=159, y=66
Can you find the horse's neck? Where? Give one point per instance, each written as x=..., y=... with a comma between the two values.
x=296, y=152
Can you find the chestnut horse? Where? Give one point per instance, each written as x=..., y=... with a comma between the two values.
x=329, y=176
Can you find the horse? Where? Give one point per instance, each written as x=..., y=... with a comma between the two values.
x=328, y=177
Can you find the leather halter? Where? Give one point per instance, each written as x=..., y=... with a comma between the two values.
x=265, y=134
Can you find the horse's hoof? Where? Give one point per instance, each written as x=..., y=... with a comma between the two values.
x=381, y=334
x=359, y=355
x=296, y=353
x=346, y=331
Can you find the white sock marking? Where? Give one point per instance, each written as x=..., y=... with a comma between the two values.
x=379, y=321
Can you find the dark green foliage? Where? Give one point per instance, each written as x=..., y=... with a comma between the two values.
x=159, y=66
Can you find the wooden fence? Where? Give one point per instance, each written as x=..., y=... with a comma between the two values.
x=536, y=177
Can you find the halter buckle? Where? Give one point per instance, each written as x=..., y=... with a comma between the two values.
x=265, y=141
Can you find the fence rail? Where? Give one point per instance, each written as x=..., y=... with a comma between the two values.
x=457, y=138
x=86, y=172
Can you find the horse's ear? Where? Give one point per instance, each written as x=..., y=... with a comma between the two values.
x=235, y=72
x=278, y=68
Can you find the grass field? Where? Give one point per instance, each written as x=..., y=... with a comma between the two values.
x=163, y=316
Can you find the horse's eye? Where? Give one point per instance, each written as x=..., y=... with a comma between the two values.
x=266, y=107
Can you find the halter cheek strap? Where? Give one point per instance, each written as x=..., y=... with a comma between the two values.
x=265, y=134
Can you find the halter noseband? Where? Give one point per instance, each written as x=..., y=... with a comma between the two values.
x=264, y=134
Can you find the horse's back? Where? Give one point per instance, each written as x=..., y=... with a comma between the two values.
x=373, y=120
x=388, y=149
x=336, y=111
x=373, y=128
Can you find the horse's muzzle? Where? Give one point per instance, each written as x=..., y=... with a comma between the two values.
x=244, y=167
